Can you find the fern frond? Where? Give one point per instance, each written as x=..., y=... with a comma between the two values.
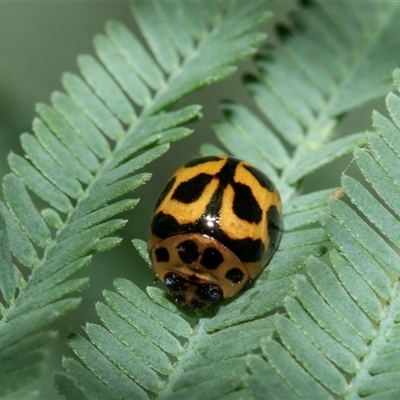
x=303, y=329
x=340, y=333
x=303, y=88
x=297, y=93
x=86, y=149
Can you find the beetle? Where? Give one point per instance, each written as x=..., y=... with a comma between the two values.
x=215, y=226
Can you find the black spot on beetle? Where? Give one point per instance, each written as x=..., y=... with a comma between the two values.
x=247, y=249
x=212, y=258
x=274, y=226
x=235, y=275
x=189, y=191
x=209, y=293
x=261, y=178
x=164, y=225
x=188, y=251
x=162, y=254
x=245, y=206
x=227, y=172
x=175, y=283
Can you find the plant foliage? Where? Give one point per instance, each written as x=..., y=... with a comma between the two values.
x=61, y=201
x=339, y=334
x=306, y=328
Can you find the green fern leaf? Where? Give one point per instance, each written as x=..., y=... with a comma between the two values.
x=84, y=154
x=149, y=333
x=353, y=306
x=304, y=329
x=301, y=94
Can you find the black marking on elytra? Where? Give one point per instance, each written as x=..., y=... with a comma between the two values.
x=165, y=225
x=274, y=226
x=162, y=254
x=225, y=177
x=189, y=191
x=261, y=178
x=212, y=258
x=247, y=249
x=175, y=283
x=209, y=293
x=201, y=160
x=166, y=190
x=245, y=206
x=227, y=172
x=235, y=275
x=188, y=251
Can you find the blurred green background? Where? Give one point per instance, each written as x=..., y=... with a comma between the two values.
x=41, y=40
